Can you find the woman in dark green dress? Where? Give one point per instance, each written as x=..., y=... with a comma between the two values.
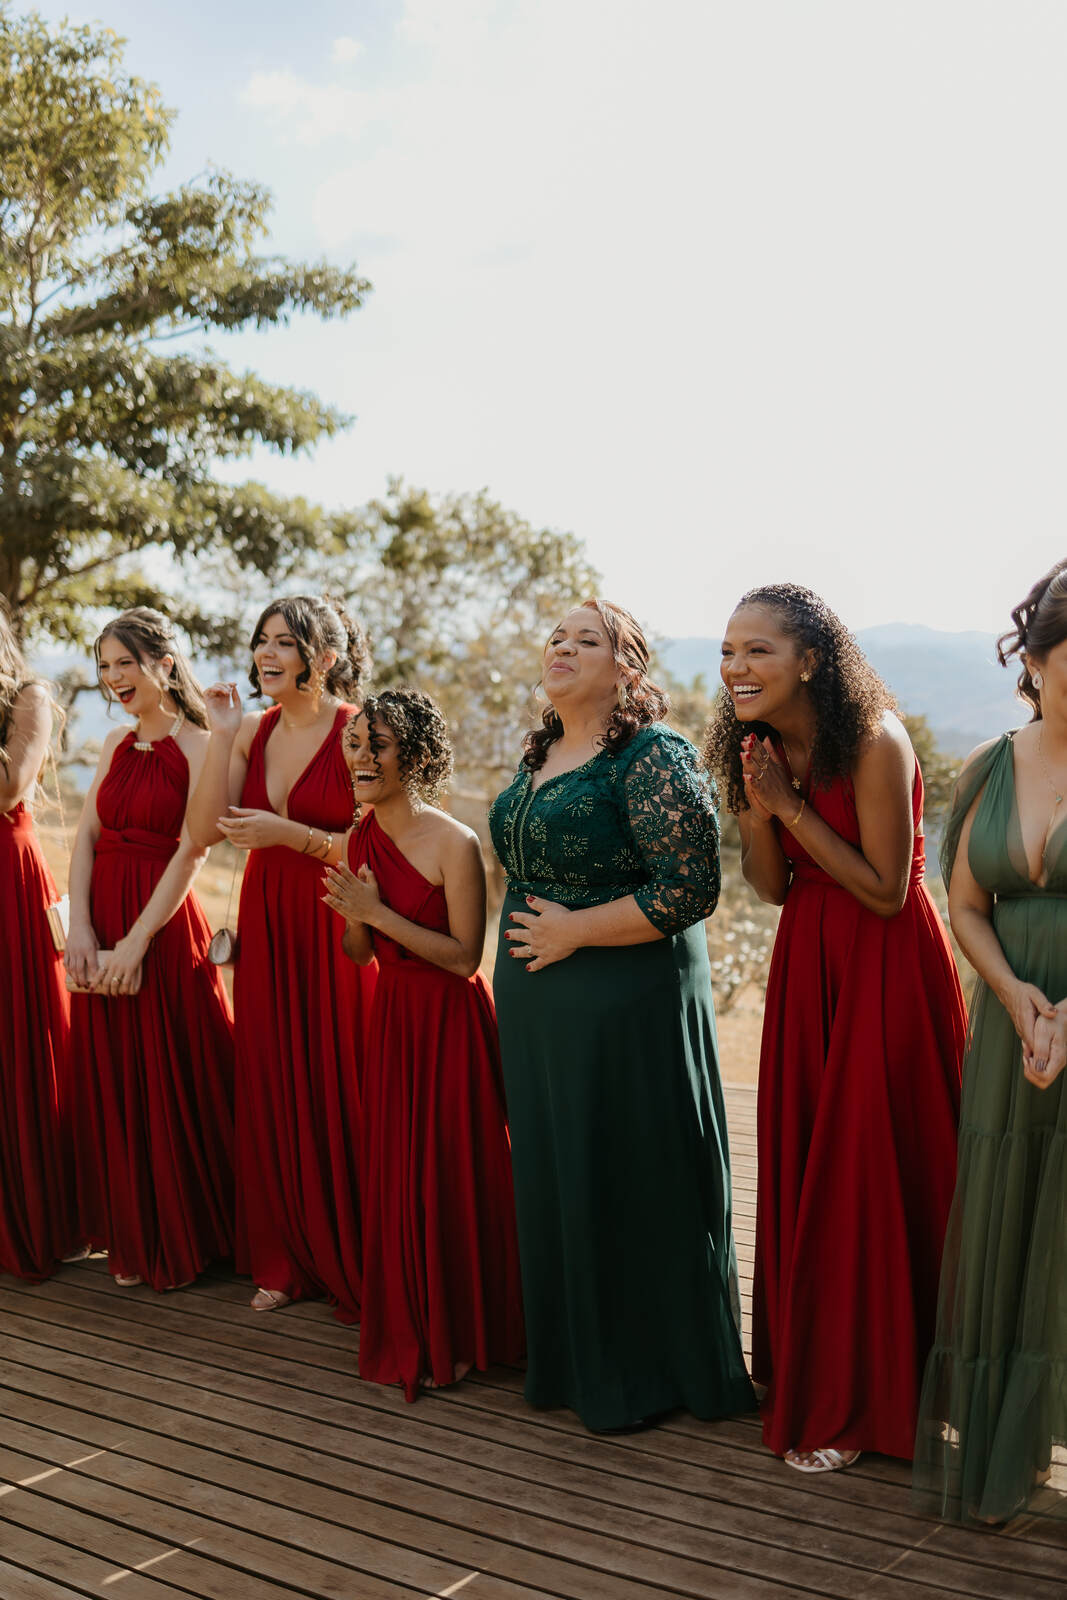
x=994, y=1399
x=603, y=991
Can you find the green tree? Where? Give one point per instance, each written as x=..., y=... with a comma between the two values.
x=458, y=595
x=109, y=432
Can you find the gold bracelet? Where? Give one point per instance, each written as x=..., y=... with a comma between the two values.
x=796, y=819
x=323, y=853
x=307, y=842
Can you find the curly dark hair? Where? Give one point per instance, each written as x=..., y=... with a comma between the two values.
x=848, y=696
x=424, y=749
x=643, y=702
x=1040, y=624
x=317, y=625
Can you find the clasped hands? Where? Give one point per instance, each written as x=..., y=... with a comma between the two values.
x=353, y=895
x=1042, y=1028
x=768, y=784
x=543, y=936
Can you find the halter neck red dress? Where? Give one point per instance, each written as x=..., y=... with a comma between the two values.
x=441, y=1281
x=301, y=1008
x=36, y=1206
x=859, y=1090
x=152, y=1073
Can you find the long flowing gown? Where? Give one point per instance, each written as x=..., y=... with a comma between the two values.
x=856, y=1128
x=994, y=1400
x=440, y=1255
x=152, y=1073
x=36, y=1204
x=301, y=1012
x=618, y=1130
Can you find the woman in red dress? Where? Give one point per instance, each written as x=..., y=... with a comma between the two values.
x=862, y=1036
x=275, y=784
x=152, y=1043
x=36, y=1214
x=441, y=1287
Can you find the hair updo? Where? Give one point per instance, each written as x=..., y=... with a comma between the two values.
x=149, y=636
x=319, y=625
x=644, y=702
x=1040, y=624
x=848, y=696
x=423, y=746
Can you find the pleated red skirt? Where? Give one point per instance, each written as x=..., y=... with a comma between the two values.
x=37, y=1224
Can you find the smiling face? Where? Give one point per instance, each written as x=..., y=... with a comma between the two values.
x=579, y=666
x=277, y=657
x=137, y=686
x=761, y=665
x=373, y=758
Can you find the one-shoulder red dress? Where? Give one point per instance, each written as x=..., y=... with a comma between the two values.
x=36, y=1205
x=859, y=1091
x=301, y=1008
x=152, y=1073
x=441, y=1283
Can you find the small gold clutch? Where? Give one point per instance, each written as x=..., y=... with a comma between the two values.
x=58, y=915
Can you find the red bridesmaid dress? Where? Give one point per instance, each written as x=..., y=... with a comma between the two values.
x=859, y=1091
x=36, y=1206
x=441, y=1283
x=300, y=1008
x=152, y=1072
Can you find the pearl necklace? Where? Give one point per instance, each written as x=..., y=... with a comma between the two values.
x=148, y=745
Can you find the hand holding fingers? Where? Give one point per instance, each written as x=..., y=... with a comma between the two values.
x=1027, y=1004
x=1043, y=1063
x=543, y=935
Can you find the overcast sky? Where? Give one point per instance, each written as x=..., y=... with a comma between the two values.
x=734, y=291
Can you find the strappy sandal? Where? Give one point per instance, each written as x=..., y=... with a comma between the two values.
x=269, y=1300
x=822, y=1460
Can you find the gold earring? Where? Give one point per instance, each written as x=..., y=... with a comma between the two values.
x=316, y=682
x=805, y=677
x=623, y=696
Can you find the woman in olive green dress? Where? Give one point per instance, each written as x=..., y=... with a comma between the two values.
x=609, y=841
x=995, y=1394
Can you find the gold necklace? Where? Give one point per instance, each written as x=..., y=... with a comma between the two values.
x=176, y=726
x=1044, y=767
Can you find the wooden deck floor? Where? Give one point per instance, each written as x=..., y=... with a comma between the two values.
x=154, y=1446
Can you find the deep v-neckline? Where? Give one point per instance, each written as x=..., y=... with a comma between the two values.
x=302, y=774
x=1017, y=822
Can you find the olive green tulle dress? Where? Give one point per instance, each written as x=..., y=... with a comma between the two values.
x=618, y=1132
x=994, y=1398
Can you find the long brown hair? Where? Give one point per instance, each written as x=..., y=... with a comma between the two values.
x=149, y=636
x=643, y=703
x=14, y=676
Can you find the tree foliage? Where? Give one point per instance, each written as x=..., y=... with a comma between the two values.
x=108, y=436
x=458, y=595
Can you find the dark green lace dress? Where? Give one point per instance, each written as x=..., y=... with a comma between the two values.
x=994, y=1398
x=622, y=1179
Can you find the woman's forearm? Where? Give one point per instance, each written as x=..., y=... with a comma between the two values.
x=171, y=889
x=318, y=843
x=209, y=799
x=442, y=949
x=882, y=894
x=763, y=863
x=80, y=877
x=617, y=922
x=978, y=940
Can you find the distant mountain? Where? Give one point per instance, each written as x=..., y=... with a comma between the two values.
x=951, y=679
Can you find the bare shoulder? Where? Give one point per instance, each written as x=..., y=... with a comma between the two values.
x=888, y=749
x=32, y=706
x=453, y=835
x=192, y=741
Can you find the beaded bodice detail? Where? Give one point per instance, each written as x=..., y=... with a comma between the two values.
x=641, y=822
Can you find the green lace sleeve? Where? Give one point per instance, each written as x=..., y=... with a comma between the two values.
x=671, y=808
x=969, y=785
